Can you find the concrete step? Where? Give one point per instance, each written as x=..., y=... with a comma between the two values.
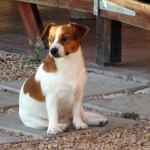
x=8, y=99
x=5, y=138
x=97, y=85
x=12, y=122
x=137, y=102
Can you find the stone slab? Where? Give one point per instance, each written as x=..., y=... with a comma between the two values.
x=138, y=103
x=14, y=84
x=102, y=84
x=8, y=99
x=5, y=138
x=97, y=85
x=13, y=123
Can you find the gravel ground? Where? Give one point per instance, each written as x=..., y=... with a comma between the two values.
x=118, y=138
x=137, y=137
x=13, y=67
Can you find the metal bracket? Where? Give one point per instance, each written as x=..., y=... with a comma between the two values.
x=96, y=7
x=110, y=6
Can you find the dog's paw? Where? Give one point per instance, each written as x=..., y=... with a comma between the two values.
x=102, y=121
x=61, y=127
x=53, y=129
x=80, y=125
x=64, y=127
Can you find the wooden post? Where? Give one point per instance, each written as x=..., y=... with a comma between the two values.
x=108, y=41
x=116, y=41
x=32, y=22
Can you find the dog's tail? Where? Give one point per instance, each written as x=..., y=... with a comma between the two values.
x=92, y=118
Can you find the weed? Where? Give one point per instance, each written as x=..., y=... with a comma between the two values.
x=130, y=115
x=26, y=59
x=35, y=58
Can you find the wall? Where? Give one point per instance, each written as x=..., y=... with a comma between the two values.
x=9, y=17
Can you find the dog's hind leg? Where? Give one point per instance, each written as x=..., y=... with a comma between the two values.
x=33, y=121
x=37, y=123
x=91, y=118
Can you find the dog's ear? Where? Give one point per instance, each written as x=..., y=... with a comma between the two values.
x=79, y=30
x=46, y=30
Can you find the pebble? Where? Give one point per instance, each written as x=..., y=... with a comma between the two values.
x=13, y=68
x=12, y=110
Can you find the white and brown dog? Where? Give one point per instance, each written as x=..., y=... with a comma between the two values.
x=52, y=96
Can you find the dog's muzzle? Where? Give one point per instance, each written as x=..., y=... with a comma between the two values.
x=54, y=52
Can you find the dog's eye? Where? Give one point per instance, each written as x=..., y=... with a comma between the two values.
x=51, y=40
x=65, y=38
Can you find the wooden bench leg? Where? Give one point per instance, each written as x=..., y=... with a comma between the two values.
x=32, y=22
x=108, y=41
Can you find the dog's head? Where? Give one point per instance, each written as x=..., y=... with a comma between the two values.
x=64, y=39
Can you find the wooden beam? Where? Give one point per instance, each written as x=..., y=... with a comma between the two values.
x=32, y=22
x=142, y=18
x=81, y=5
x=108, y=41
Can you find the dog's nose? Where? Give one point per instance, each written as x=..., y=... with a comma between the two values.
x=54, y=51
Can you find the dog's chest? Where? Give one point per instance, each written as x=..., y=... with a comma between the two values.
x=64, y=83
x=65, y=98
x=64, y=87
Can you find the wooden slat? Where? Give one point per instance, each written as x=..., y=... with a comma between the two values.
x=80, y=5
x=32, y=21
x=142, y=18
x=108, y=41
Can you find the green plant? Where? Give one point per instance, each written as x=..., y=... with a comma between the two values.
x=36, y=56
x=130, y=115
x=26, y=59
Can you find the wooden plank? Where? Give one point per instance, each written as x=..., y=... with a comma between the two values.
x=9, y=16
x=142, y=18
x=32, y=22
x=108, y=41
x=81, y=5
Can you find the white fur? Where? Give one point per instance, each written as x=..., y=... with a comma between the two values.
x=57, y=45
x=64, y=91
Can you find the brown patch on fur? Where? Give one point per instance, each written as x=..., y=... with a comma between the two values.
x=49, y=64
x=80, y=31
x=46, y=30
x=52, y=34
x=34, y=88
x=72, y=44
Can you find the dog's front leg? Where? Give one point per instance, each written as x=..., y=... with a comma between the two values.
x=77, y=121
x=52, y=110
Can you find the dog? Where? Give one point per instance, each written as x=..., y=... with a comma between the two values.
x=51, y=98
